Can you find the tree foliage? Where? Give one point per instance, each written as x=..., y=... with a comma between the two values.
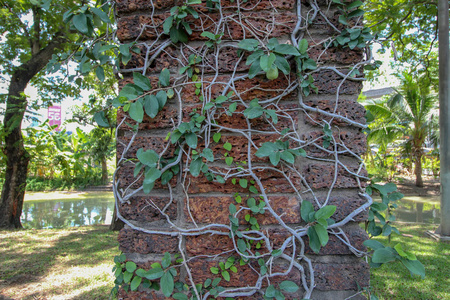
x=38, y=40
x=409, y=29
x=406, y=118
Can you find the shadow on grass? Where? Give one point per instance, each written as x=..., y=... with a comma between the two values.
x=393, y=281
x=30, y=255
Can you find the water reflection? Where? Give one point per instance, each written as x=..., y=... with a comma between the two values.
x=67, y=212
x=418, y=209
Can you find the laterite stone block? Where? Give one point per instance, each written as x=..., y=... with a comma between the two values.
x=347, y=108
x=258, y=87
x=143, y=208
x=322, y=176
x=271, y=180
x=355, y=142
x=329, y=82
x=158, y=144
x=341, y=276
x=126, y=6
x=166, y=118
x=127, y=179
x=139, y=242
x=345, y=204
x=215, y=209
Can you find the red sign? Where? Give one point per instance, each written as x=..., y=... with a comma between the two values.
x=54, y=116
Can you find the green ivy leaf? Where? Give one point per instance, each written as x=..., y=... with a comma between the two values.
x=274, y=158
x=141, y=81
x=227, y=146
x=152, y=175
x=314, y=241
x=383, y=255
x=309, y=64
x=136, y=111
x=385, y=189
x=101, y=14
x=180, y=296
x=162, y=99
x=343, y=20
x=405, y=254
x=208, y=154
x=356, y=13
x=229, y=160
x=232, y=209
x=217, y=136
x=325, y=212
x=226, y=275
x=135, y=283
x=414, y=266
x=168, y=24
x=232, y=107
x=322, y=234
x=216, y=281
x=149, y=157
x=289, y=286
x=283, y=65
x=306, y=209
x=253, y=112
x=167, y=284
x=270, y=291
x=254, y=57
x=243, y=183
x=127, y=276
x=255, y=68
x=253, y=189
x=303, y=46
x=166, y=261
x=373, y=244
x=267, y=61
x=286, y=49
x=242, y=245
x=248, y=44
x=266, y=149
x=287, y=157
x=154, y=273
x=130, y=266
x=164, y=77
x=196, y=166
x=151, y=106
x=192, y=140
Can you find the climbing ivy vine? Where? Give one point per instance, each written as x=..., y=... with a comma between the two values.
x=189, y=145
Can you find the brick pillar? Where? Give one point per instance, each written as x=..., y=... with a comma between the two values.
x=332, y=176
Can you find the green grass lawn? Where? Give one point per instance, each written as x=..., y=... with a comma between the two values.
x=393, y=281
x=76, y=263
x=72, y=263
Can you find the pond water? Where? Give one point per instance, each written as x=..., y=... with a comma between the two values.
x=419, y=209
x=59, y=210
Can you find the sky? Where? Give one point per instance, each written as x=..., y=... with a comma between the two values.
x=66, y=107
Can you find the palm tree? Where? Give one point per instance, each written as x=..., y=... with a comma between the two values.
x=407, y=117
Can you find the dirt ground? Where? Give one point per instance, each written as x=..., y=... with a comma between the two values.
x=407, y=186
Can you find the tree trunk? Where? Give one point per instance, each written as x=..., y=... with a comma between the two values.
x=116, y=223
x=104, y=171
x=418, y=169
x=17, y=158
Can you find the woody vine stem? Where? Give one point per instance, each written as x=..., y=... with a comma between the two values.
x=275, y=143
